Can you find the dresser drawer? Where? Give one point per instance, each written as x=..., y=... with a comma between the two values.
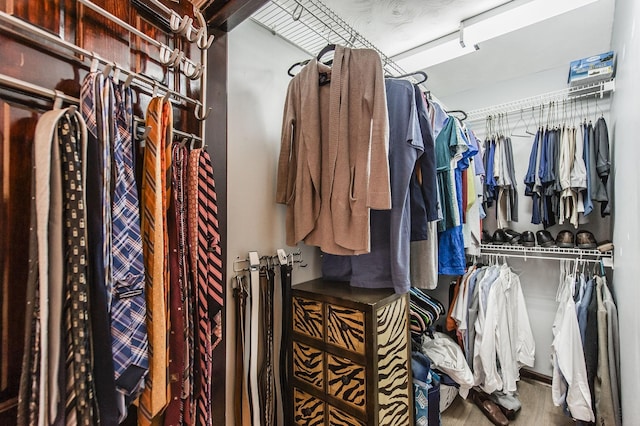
x=340, y=418
x=345, y=328
x=307, y=317
x=307, y=409
x=308, y=364
x=346, y=381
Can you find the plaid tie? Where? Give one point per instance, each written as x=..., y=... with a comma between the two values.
x=209, y=291
x=128, y=306
x=80, y=402
x=155, y=196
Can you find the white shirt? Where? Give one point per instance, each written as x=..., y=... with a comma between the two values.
x=507, y=335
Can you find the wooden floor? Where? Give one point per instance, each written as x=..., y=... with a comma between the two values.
x=537, y=409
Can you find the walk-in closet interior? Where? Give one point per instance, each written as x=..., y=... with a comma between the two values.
x=319, y=212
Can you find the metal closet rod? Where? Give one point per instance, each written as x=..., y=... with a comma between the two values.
x=41, y=34
x=24, y=86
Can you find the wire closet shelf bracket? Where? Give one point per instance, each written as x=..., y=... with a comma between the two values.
x=310, y=25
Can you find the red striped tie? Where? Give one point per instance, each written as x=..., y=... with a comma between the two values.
x=209, y=290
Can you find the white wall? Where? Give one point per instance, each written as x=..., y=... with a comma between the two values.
x=539, y=278
x=625, y=113
x=257, y=85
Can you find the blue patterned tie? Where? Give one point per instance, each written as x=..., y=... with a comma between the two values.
x=128, y=306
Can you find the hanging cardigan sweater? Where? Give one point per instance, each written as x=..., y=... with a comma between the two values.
x=333, y=164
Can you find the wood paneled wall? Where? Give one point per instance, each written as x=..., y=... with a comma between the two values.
x=53, y=67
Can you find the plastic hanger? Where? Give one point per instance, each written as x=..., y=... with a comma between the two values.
x=328, y=48
x=422, y=74
x=297, y=64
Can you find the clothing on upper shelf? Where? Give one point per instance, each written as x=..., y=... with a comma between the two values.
x=584, y=354
x=501, y=186
x=568, y=170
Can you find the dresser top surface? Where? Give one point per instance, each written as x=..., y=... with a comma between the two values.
x=342, y=290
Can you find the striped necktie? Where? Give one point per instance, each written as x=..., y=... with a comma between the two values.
x=80, y=401
x=181, y=309
x=128, y=306
x=155, y=194
x=209, y=289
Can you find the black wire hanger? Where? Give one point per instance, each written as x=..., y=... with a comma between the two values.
x=413, y=74
x=458, y=111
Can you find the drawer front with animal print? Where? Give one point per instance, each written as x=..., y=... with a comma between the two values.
x=351, y=361
x=308, y=364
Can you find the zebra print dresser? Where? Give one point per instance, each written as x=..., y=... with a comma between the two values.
x=351, y=356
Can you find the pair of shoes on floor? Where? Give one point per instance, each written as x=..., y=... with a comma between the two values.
x=583, y=239
x=489, y=408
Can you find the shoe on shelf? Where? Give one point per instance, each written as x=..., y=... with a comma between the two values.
x=586, y=240
x=544, y=238
x=486, y=238
x=514, y=237
x=499, y=237
x=565, y=239
x=605, y=246
x=489, y=408
x=528, y=239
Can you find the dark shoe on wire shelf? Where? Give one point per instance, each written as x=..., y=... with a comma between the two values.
x=486, y=238
x=528, y=239
x=500, y=237
x=565, y=239
x=544, y=238
x=514, y=237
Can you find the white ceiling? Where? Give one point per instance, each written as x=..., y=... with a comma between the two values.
x=395, y=26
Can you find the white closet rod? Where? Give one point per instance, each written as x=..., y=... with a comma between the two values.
x=594, y=90
x=24, y=86
x=38, y=35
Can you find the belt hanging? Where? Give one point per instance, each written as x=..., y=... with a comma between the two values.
x=254, y=312
x=285, y=344
x=241, y=392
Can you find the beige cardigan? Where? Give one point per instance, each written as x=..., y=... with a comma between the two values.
x=333, y=164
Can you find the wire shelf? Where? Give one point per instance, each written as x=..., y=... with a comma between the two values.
x=549, y=253
x=310, y=25
x=599, y=89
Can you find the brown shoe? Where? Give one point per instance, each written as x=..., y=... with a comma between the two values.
x=585, y=240
x=565, y=239
x=489, y=408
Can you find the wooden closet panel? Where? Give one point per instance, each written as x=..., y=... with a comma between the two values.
x=55, y=67
x=43, y=14
x=17, y=127
x=26, y=61
x=100, y=35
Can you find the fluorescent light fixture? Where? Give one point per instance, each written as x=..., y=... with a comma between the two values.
x=495, y=22
x=435, y=52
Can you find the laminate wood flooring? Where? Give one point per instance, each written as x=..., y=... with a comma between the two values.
x=537, y=409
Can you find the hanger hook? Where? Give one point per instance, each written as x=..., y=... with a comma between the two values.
x=198, y=112
x=297, y=12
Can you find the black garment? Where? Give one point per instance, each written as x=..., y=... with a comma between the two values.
x=423, y=186
x=99, y=314
x=286, y=355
